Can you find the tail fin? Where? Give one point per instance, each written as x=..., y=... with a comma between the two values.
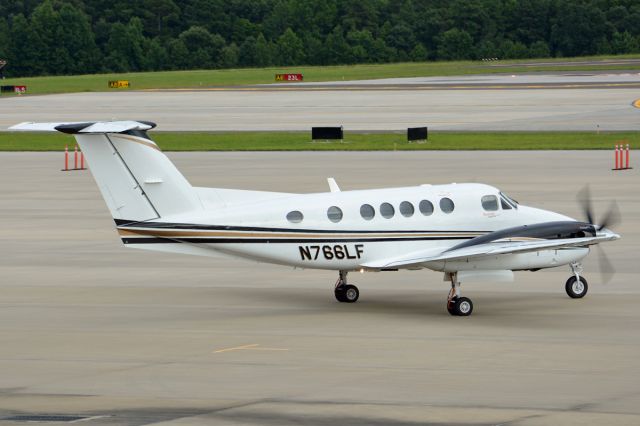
x=137, y=181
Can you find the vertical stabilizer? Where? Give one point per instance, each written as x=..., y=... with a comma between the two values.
x=137, y=181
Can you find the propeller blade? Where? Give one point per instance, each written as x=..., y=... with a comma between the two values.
x=606, y=268
x=612, y=217
x=584, y=199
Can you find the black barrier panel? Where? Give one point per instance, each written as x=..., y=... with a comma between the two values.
x=5, y=89
x=318, y=133
x=417, y=134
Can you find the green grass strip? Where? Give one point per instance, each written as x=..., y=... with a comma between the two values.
x=300, y=141
x=248, y=76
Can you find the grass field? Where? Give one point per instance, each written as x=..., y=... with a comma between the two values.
x=300, y=141
x=206, y=78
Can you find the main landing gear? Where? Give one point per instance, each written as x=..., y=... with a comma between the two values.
x=456, y=304
x=576, y=286
x=344, y=292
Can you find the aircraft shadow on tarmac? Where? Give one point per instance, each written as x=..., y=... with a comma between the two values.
x=530, y=308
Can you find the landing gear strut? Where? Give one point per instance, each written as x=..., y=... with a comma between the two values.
x=456, y=304
x=344, y=292
x=576, y=286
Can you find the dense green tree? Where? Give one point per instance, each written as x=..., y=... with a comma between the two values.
x=289, y=49
x=419, y=53
x=156, y=55
x=125, y=46
x=158, y=14
x=335, y=49
x=5, y=40
x=361, y=45
x=247, y=52
x=623, y=43
x=539, y=49
x=76, y=36
x=229, y=56
x=513, y=50
x=576, y=29
x=204, y=50
x=402, y=39
x=24, y=54
x=264, y=51
x=455, y=44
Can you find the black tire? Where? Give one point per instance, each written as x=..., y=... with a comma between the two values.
x=351, y=293
x=574, y=289
x=339, y=293
x=460, y=306
x=450, y=306
x=347, y=293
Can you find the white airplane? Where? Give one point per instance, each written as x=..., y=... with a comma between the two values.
x=471, y=232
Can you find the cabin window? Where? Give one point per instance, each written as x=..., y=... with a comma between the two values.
x=446, y=205
x=490, y=203
x=406, y=209
x=334, y=214
x=386, y=210
x=367, y=211
x=426, y=207
x=295, y=216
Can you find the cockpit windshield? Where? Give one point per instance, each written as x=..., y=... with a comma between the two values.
x=508, y=200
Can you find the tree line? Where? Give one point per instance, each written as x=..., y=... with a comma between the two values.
x=48, y=37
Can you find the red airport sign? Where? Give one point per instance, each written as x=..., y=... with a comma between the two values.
x=288, y=77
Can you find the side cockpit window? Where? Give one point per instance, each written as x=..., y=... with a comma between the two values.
x=504, y=204
x=505, y=200
x=490, y=203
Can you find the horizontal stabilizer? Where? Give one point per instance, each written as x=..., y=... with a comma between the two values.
x=85, y=127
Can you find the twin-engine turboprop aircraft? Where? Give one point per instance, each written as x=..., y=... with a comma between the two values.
x=468, y=231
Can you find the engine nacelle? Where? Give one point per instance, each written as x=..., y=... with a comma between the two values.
x=514, y=262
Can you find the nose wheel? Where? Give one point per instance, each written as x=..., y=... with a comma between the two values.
x=345, y=293
x=576, y=286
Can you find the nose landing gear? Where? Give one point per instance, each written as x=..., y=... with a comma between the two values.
x=576, y=286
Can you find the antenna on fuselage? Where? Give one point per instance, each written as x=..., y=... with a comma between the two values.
x=333, y=186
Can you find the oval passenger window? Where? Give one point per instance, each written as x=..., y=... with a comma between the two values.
x=386, y=210
x=295, y=216
x=426, y=207
x=367, y=212
x=446, y=205
x=334, y=214
x=406, y=209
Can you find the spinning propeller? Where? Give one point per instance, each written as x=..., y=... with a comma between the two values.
x=612, y=217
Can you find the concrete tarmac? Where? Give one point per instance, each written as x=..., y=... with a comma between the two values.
x=536, y=102
x=91, y=329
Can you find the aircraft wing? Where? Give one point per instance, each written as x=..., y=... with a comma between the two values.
x=494, y=248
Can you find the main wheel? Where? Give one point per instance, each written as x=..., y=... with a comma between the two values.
x=347, y=293
x=576, y=289
x=460, y=306
x=450, y=306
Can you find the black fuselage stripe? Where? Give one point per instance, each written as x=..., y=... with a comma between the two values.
x=124, y=224
x=205, y=240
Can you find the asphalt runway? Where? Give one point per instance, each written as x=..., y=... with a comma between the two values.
x=537, y=102
x=91, y=329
